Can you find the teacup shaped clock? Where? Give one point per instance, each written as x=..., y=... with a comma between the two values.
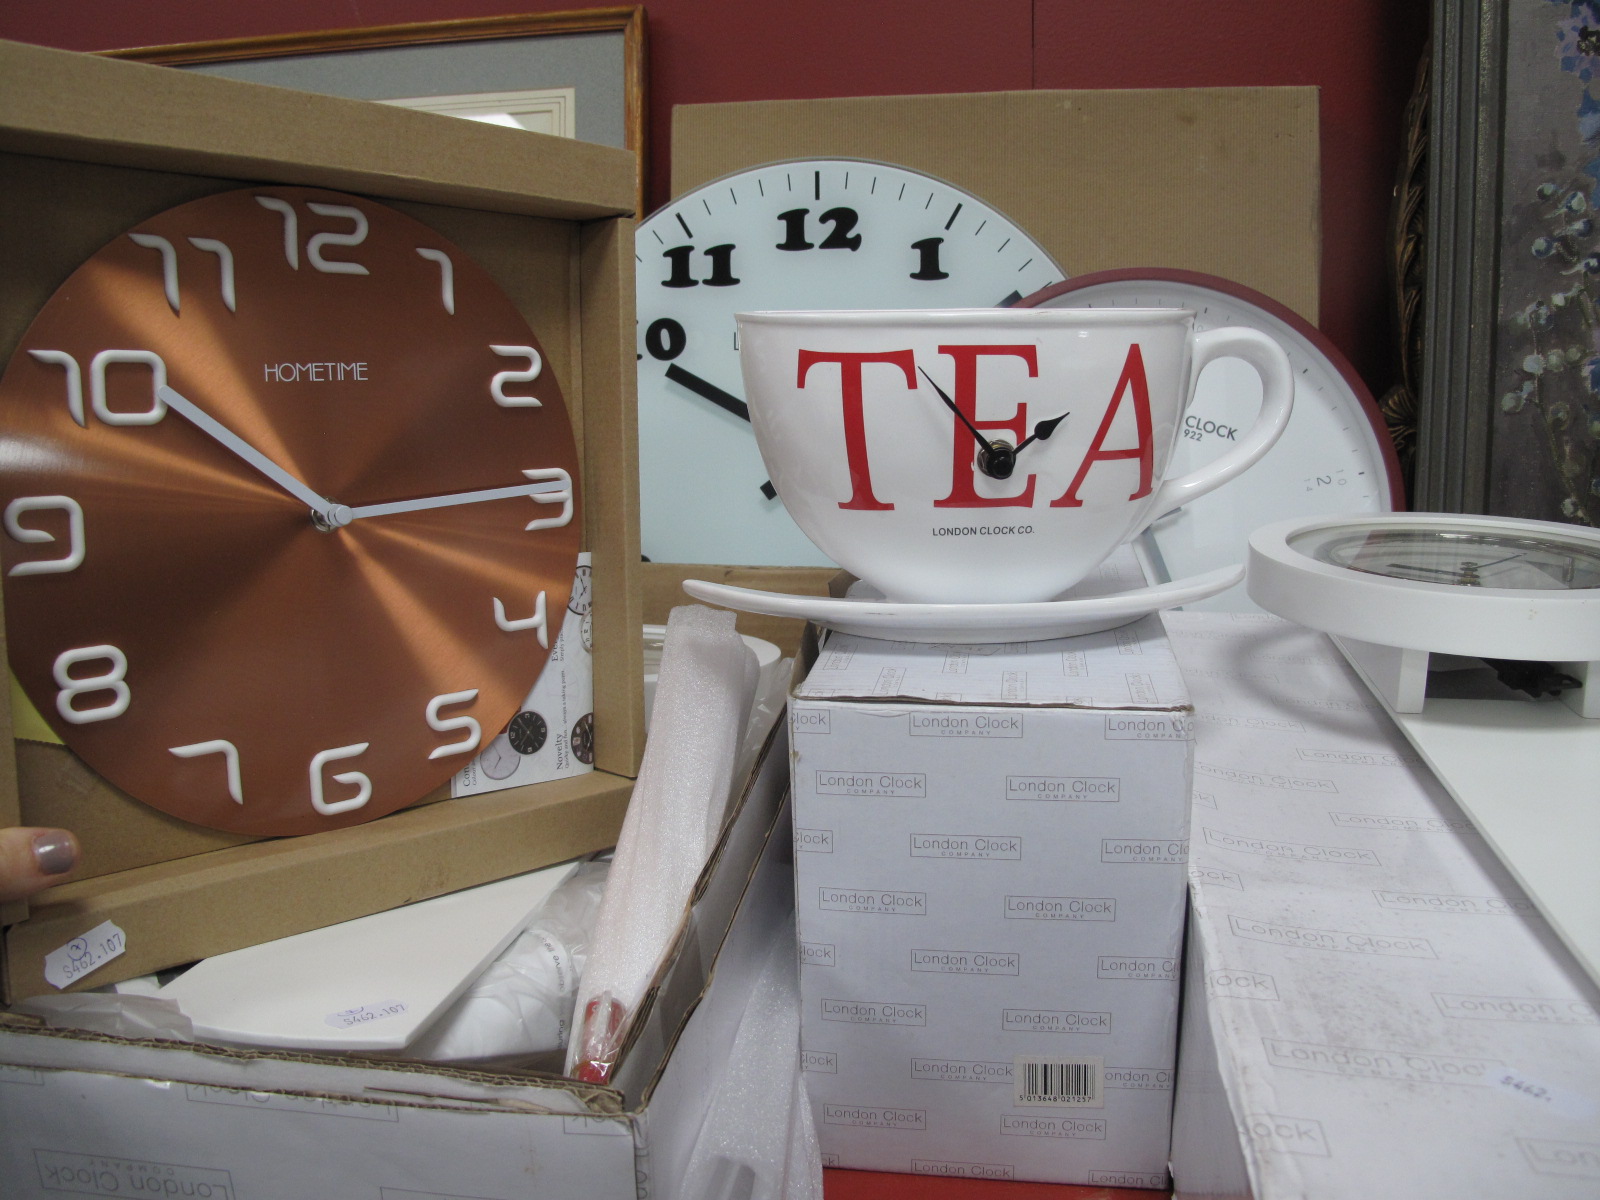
x=987, y=456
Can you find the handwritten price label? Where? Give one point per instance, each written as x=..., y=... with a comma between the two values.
x=366, y=1014
x=1566, y=1104
x=80, y=956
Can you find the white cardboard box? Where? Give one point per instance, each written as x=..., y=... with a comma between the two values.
x=990, y=870
x=84, y=1114
x=1375, y=1008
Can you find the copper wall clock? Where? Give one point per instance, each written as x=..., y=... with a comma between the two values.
x=290, y=505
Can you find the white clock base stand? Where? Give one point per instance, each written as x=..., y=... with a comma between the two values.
x=1527, y=772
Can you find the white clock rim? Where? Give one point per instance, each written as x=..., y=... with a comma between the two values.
x=1419, y=615
x=1311, y=339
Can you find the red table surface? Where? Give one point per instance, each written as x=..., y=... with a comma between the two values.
x=878, y=1185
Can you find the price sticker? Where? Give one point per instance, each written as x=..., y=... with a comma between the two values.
x=82, y=955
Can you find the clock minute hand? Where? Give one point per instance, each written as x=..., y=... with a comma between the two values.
x=322, y=509
x=997, y=459
x=983, y=442
x=390, y=508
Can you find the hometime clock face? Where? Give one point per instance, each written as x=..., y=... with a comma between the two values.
x=814, y=233
x=289, y=495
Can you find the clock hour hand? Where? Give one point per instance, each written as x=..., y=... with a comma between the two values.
x=707, y=390
x=1042, y=430
x=323, y=510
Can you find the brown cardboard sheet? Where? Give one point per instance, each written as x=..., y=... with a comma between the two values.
x=1219, y=180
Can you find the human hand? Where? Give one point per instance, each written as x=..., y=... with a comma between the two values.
x=33, y=859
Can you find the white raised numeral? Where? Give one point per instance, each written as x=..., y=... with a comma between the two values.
x=74, y=380
x=535, y=622
x=562, y=497
x=169, y=263
x=447, y=276
x=474, y=731
x=46, y=566
x=97, y=386
x=354, y=238
x=224, y=265
x=230, y=753
x=355, y=779
x=112, y=680
x=497, y=385
x=291, y=227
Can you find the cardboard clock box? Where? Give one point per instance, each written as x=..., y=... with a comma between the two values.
x=90, y=1114
x=990, y=847
x=90, y=147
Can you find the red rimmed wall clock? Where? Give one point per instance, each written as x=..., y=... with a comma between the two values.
x=289, y=496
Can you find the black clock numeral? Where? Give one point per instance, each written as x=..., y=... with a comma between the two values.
x=928, y=266
x=794, y=227
x=665, y=339
x=682, y=275
x=840, y=237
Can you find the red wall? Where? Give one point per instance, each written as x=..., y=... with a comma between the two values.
x=1361, y=53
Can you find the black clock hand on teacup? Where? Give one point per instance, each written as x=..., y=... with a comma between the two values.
x=998, y=458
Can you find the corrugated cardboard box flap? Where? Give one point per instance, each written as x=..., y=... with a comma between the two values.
x=60, y=104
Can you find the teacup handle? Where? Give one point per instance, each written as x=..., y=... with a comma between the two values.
x=1277, y=398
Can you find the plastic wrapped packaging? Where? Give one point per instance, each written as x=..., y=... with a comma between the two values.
x=758, y=1141
x=521, y=1006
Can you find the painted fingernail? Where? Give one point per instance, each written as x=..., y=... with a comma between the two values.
x=54, y=853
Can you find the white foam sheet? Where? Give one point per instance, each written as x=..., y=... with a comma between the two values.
x=1391, y=1014
x=369, y=984
x=703, y=697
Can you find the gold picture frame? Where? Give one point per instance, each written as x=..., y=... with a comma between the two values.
x=617, y=35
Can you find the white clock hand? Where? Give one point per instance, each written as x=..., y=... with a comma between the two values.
x=321, y=507
x=552, y=486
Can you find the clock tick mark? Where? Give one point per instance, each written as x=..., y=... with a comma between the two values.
x=979, y=229
x=953, y=215
x=767, y=490
x=1024, y=266
x=685, y=225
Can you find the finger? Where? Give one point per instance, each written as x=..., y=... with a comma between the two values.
x=32, y=859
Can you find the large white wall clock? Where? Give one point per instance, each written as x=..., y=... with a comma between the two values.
x=812, y=233
x=1335, y=456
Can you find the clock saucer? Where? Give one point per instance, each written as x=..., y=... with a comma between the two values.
x=866, y=613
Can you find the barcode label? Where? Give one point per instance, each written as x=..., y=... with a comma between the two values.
x=1064, y=1082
